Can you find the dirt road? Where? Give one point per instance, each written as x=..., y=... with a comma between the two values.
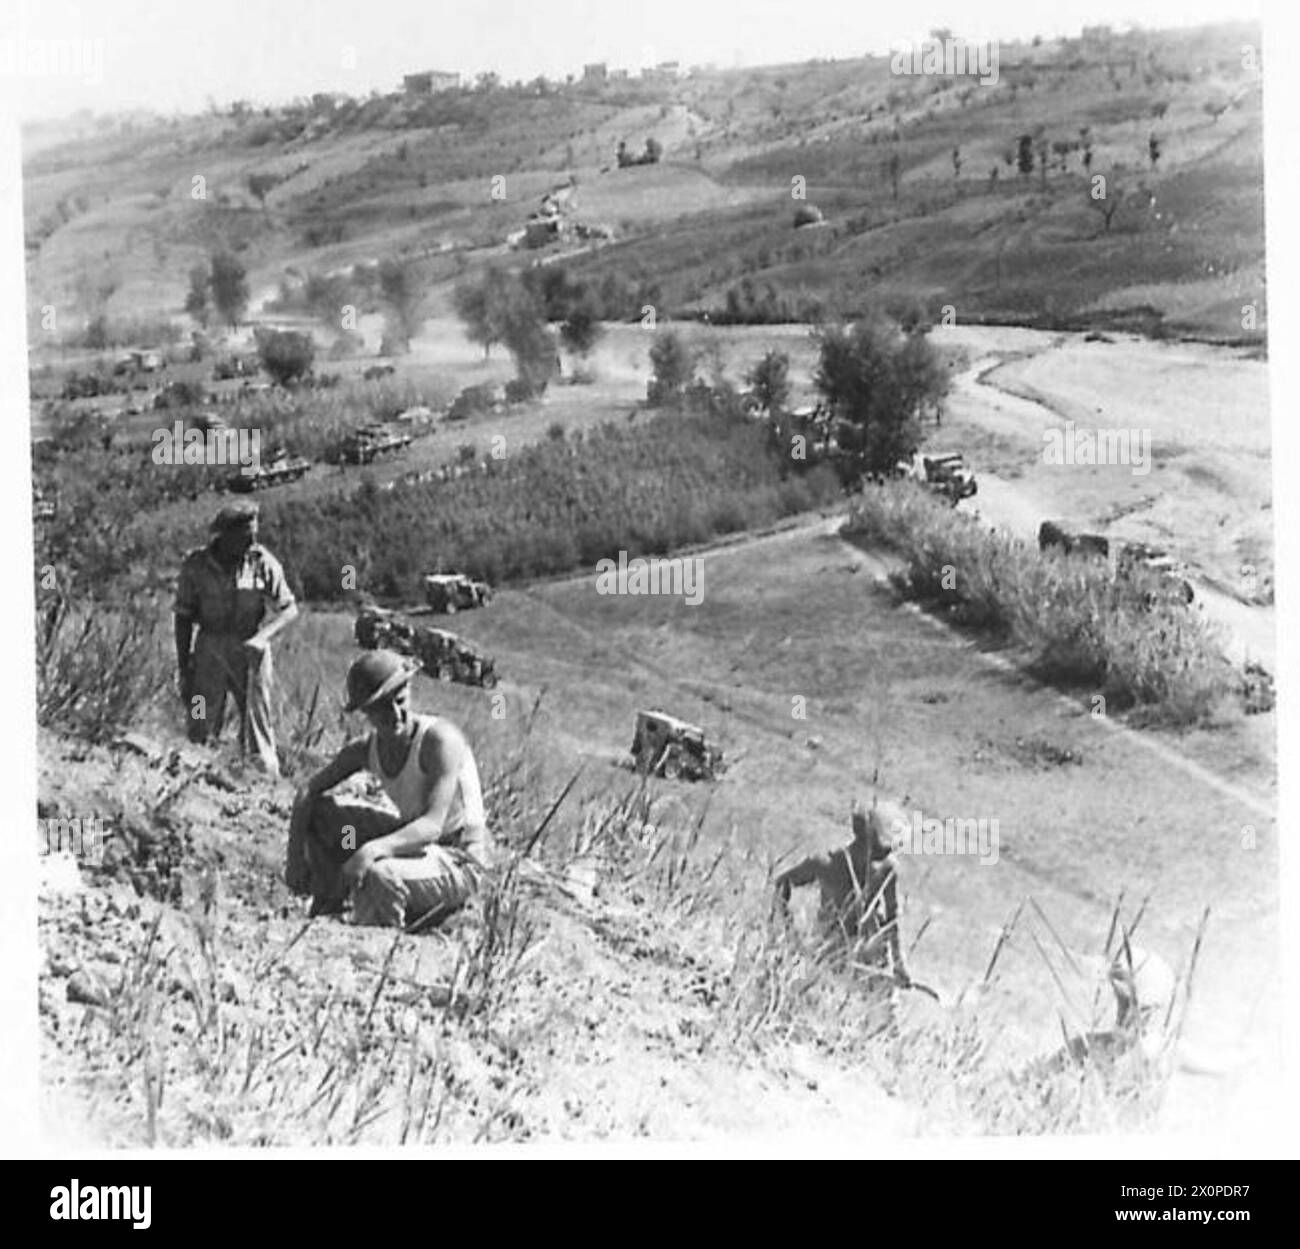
x=1020, y=506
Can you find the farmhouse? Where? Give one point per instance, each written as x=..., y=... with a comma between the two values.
x=430, y=81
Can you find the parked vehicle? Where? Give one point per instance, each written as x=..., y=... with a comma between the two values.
x=443, y=655
x=943, y=472
x=451, y=592
x=281, y=468
x=366, y=442
x=1171, y=573
x=1056, y=534
x=666, y=746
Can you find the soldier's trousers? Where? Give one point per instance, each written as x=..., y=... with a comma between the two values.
x=395, y=891
x=222, y=668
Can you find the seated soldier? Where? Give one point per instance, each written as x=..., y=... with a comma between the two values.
x=859, y=893
x=425, y=862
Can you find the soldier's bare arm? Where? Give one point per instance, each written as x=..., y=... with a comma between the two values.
x=281, y=607
x=890, y=917
x=185, y=611
x=806, y=872
x=184, y=652
x=351, y=759
x=273, y=624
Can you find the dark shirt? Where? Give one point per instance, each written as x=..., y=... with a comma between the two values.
x=231, y=601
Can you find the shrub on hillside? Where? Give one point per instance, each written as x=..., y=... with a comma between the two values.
x=1079, y=624
x=673, y=364
x=96, y=666
x=286, y=355
x=876, y=381
x=650, y=488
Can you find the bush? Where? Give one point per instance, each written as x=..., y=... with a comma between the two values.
x=286, y=355
x=1077, y=623
x=96, y=666
x=876, y=380
x=673, y=363
x=557, y=504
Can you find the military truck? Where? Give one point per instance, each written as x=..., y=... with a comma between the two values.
x=451, y=592
x=1058, y=535
x=443, y=655
x=280, y=468
x=366, y=442
x=944, y=472
x=665, y=746
x=1170, y=573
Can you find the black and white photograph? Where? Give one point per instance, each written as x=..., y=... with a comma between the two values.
x=694, y=577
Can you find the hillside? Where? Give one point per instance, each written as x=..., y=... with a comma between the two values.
x=638, y=987
x=626, y=975
x=116, y=219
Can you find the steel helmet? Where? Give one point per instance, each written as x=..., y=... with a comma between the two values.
x=377, y=675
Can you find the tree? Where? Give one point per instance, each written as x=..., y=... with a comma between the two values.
x=484, y=306
x=673, y=363
x=260, y=185
x=286, y=355
x=397, y=288
x=893, y=169
x=581, y=330
x=769, y=379
x=529, y=340
x=1106, y=199
x=1025, y=155
x=196, y=301
x=229, y=287
x=875, y=380
x=653, y=150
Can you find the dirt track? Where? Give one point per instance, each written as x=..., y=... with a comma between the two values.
x=1021, y=504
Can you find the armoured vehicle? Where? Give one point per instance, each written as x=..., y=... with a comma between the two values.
x=366, y=442
x=451, y=591
x=443, y=655
x=276, y=471
x=666, y=746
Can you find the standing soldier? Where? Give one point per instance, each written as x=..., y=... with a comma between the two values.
x=234, y=593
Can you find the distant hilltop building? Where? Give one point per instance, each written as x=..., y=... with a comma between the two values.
x=596, y=74
x=618, y=75
x=665, y=71
x=430, y=81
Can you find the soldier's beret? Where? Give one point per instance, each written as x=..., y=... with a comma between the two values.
x=233, y=515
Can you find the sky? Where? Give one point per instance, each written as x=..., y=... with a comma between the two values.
x=169, y=56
